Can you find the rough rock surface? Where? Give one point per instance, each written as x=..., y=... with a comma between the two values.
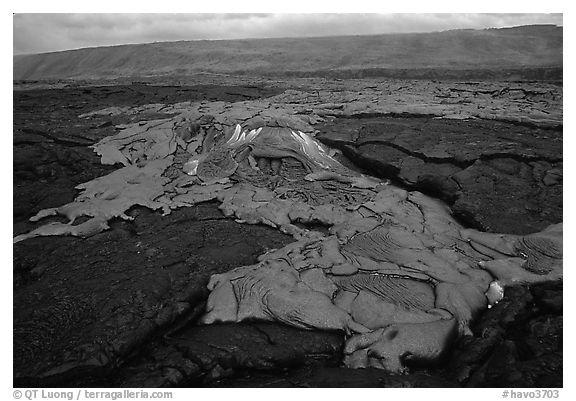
x=204, y=354
x=498, y=177
x=517, y=343
x=84, y=305
x=330, y=377
x=26, y=277
x=538, y=105
x=388, y=232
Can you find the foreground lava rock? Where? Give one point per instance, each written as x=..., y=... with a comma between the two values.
x=429, y=282
x=517, y=343
x=90, y=303
x=215, y=370
x=205, y=354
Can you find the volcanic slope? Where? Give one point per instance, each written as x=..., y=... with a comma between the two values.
x=529, y=52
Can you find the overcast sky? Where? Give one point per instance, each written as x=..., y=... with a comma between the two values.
x=37, y=33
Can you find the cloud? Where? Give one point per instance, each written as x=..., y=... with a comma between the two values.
x=35, y=33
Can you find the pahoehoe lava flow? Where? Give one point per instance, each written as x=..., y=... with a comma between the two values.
x=393, y=270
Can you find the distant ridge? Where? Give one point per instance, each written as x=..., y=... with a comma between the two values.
x=533, y=52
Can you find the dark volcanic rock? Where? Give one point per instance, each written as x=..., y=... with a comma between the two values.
x=119, y=309
x=499, y=177
x=82, y=306
x=205, y=354
x=323, y=376
x=517, y=343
